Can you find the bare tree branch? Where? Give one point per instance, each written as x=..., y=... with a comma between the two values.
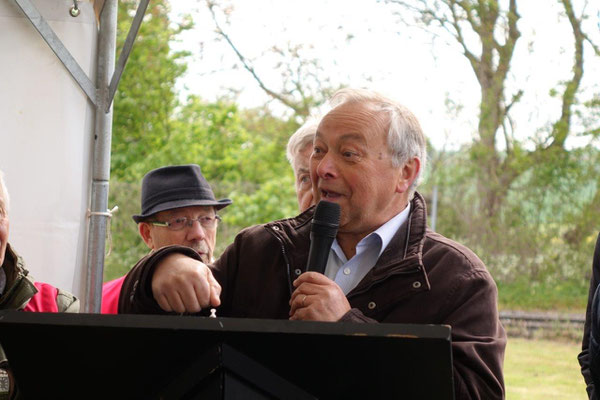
x=459, y=36
x=301, y=110
x=594, y=46
x=469, y=12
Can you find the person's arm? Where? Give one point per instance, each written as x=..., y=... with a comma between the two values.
x=171, y=279
x=584, y=356
x=67, y=302
x=594, y=344
x=478, y=338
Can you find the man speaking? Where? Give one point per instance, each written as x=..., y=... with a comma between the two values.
x=384, y=264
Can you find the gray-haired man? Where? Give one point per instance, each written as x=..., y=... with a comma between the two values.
x=385, y=265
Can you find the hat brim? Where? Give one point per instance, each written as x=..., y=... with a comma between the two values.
x=170, y=205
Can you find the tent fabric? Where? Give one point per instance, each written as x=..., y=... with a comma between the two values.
x=46, y=146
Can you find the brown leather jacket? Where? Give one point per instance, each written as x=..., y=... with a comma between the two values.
x=421, y=277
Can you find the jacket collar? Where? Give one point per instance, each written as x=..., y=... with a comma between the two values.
x=407, y=243
x=19, y=285
x=404, y=254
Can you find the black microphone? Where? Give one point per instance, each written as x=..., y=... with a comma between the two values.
x=325, y=223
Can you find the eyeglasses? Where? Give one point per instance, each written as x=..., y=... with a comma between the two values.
x=177, y=224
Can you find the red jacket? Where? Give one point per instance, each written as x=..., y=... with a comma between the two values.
x=44, y=300
x=110, y=295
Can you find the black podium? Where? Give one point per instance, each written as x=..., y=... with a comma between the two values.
x=90, y=356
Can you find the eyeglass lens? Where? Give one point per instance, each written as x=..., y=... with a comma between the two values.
x=205, y=221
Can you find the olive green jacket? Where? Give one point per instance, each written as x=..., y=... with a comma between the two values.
x=20, y=289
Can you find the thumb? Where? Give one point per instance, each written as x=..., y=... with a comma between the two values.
x=215, y=290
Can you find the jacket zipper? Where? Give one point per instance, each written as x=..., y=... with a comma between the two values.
x=287, y=262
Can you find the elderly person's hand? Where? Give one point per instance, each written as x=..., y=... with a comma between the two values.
x=183, y=284
x=317, y=298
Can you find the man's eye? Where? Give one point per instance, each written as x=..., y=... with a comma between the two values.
x=179, y=221
x=304, y=179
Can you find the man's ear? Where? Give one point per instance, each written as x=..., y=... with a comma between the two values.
x=144, y=229
x=408, y=174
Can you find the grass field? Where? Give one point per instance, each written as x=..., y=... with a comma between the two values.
x=542, y=369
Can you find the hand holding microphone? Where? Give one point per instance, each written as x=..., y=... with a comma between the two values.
x=317, y=297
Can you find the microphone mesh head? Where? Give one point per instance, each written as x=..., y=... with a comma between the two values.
x=327, y=212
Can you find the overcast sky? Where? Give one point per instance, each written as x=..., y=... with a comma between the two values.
x=384, y=55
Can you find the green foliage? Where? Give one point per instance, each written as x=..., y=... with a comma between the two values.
x=127, y=247
x=146, y=97
x=528, y=294
x=540, y=250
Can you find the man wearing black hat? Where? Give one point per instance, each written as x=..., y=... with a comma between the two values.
x=178, y=208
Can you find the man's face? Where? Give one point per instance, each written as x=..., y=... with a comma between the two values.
x=3, y=229
x=302, y=174
x=196, y=236
x=351, y=165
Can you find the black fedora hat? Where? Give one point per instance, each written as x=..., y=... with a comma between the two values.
x=176, y=186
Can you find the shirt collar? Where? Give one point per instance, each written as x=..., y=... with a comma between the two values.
x=387, y=231
x=384, y=233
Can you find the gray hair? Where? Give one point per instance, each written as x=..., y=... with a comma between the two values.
x=405, y=136
x=4, y=198
x=301, y=138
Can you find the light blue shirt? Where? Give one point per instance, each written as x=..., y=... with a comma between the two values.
x=348, y=273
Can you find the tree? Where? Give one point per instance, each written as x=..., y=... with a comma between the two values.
x=487, y=33
x=527, y=204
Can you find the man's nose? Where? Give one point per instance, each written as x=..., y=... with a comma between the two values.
x=196, y=231
x=326, y=167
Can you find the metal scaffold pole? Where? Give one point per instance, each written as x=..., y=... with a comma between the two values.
x=99, y=215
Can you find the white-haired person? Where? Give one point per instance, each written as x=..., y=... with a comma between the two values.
x=385, y=265
x=18, y=289
x=299, y=149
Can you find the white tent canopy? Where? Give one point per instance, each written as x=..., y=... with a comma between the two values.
x=46, y=146
x=56, y=91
